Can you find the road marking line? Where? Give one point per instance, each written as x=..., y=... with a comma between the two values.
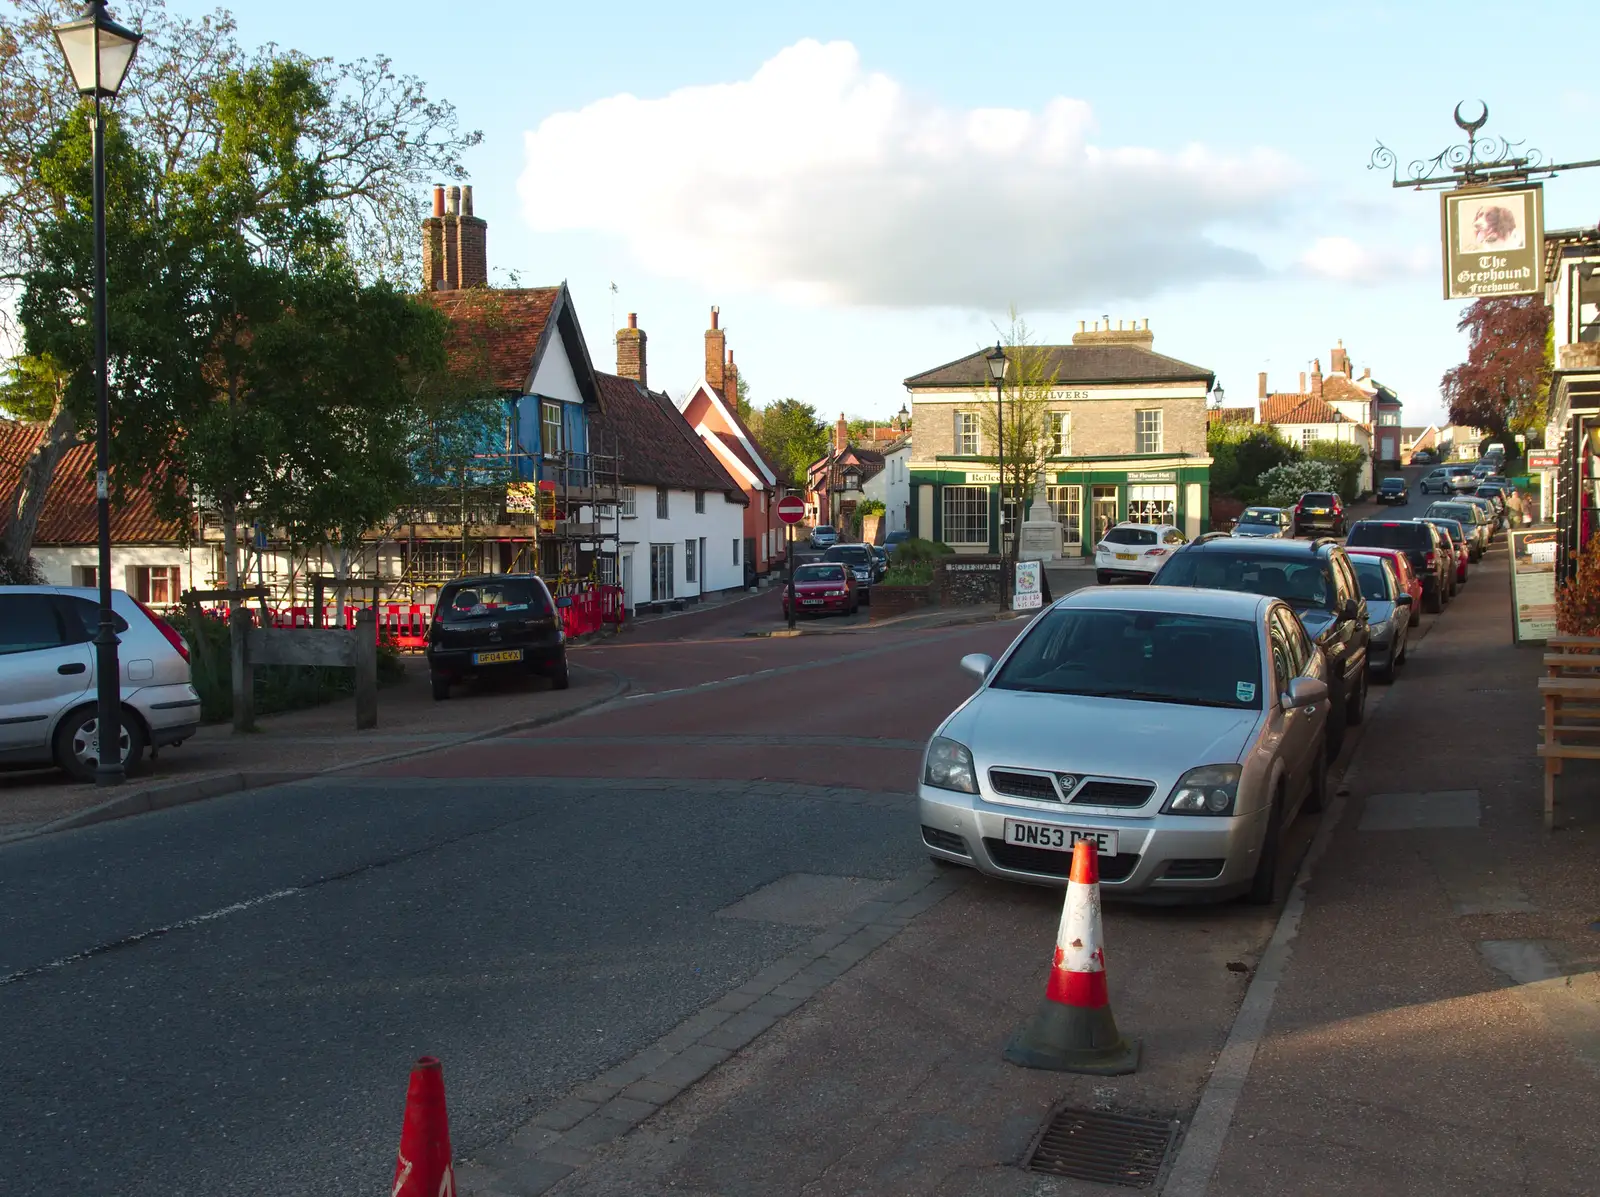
x=144, y=936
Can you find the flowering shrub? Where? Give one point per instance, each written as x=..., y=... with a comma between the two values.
x=1282, y=486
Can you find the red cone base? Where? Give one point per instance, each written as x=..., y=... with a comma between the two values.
x=424, y=1167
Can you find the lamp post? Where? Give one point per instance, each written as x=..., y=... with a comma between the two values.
x=999, y=363
x=98, y=53
x=902, y=418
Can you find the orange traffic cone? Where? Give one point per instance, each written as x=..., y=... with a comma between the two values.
x=1073, y=1030
x=424, y=1167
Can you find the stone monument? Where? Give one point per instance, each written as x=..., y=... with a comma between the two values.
x=1041, y=531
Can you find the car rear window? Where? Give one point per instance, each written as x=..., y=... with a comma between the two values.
x=1298, y=580
x=1151, y=656
x=1413, y=538
x=1393, y=484
x=819, y=573
x=824, y=528
x=1449, y=528
x=1260, y=515
x=1131, y=536
x=1461, y=512
x=857, y=554
x=462, y=602
x=1374, y=585
x=1319, y=497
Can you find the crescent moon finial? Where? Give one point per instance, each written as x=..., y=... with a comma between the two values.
x=1473, y=126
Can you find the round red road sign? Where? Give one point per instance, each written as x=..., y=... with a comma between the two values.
x=792, y=510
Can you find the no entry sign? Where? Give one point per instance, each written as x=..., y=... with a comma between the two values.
x=792, y=510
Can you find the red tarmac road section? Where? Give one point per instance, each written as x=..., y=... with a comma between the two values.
x=814, y=721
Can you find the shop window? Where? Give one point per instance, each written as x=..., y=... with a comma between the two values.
x=1066, y=507
x=1153, y=504
x=966, y=515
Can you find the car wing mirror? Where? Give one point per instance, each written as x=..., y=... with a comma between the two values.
x=1303, y=692
x=977, y=664
x=564, y=601
x=1403, y=600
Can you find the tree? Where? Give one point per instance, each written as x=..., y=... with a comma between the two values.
x=1346, y=460
x=1024, y=437
x=1504, y=384
x=791, y=437
x=1242, y=453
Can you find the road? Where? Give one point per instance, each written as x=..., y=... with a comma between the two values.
x=224, y=998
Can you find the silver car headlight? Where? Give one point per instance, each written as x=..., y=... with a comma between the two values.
x=1207, y=790
x=948, y=766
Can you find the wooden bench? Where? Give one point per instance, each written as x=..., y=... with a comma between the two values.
x=1571, y=664
x=1566, y=699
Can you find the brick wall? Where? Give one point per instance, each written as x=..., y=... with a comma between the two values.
x=1099, y=426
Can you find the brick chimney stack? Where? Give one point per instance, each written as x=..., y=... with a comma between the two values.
x=1302, y=382
x=630, y=351
x=841, y=434
x=455, y=250
x=1339, y=360
x=1261, y=385
x=1316, y=377
x=730, y=377
x=716, y=354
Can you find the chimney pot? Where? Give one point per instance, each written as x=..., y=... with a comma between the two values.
x=1261, y=385
x=633, y=319
x=1147, y=324
x=1302, y=382
x=438, y=201
x=714, y=315
x=466, y=200
x=452, y=201
x=1083, y=325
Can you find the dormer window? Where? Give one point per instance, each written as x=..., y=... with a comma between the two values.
x=552, y=433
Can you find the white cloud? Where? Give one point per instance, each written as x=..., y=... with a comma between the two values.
x=1344, y=260
x=820, y=181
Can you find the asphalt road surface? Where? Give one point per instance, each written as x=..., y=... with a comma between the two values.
x=224, y=998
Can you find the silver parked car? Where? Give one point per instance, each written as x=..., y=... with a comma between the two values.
x=1179, y=730
x=1274, y=523
x=48, y=687
x=1388, y=615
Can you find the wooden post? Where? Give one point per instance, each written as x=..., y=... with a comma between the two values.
x=244, y=689
x=365, y=660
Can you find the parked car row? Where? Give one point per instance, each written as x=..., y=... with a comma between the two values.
x=1181, y=727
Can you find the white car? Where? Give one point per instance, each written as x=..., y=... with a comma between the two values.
x=1133, y=552
x=48, y=687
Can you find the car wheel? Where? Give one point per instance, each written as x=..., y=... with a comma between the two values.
x=1355, y=708
x=1400, y=656
x=1384, y=673
x=75, y=743
x=1102, y=577
x=1317, y=795
x=1264, y=885
x=559, y=679
x=1416, y=617
x=440, y=685
x=1333, y=739
x=1432, y=603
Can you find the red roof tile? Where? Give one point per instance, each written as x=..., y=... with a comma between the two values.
x=1231, y=415
x=655, y=442
x=1309, y=410
x=69, y=510
x=496, y=331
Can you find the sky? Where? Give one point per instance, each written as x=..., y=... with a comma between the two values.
x=866, y=190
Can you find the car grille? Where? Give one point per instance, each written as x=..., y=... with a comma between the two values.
x=1055, y=864
x=944, y=840
x=1113, y=793
x=1193, y=870
x=1022, y=785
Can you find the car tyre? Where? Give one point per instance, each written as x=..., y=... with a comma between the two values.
x=559, y=678
x=1432, y=603
x=73, y=732
x=1416, y=617
x=1264, y=885
x=440, y=685
x=1385, y=674
x=1102, y=577
x=1355, y=708
x=1317, y=795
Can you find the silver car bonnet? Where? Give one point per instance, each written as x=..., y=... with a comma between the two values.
x=1104, y=737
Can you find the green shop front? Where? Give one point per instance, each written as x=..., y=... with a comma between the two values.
x=959, y=502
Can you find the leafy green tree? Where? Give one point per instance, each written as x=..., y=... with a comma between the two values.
x=1242, y=453
x=1024, y=437
x=791, y=436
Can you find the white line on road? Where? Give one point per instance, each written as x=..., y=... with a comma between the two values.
x=153, y=933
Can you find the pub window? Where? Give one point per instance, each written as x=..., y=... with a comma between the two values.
x=966, y=515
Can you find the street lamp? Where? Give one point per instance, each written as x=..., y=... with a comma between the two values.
x=1217, y=396
x=999, y=363
x=902, y=417
x=98, y=53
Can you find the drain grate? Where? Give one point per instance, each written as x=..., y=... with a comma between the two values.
x=1102, y=1145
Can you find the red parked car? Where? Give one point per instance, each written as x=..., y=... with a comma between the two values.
x=823, y=588
x=1458, y=534
x=1409, y=582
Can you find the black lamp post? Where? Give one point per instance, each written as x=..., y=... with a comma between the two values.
x=902, y=418
x=98, y=53
x=999, y=363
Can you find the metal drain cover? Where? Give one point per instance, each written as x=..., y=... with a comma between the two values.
x=1105, y=1146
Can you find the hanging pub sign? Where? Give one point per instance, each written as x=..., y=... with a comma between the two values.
x=522, y=498
x=1493, y=241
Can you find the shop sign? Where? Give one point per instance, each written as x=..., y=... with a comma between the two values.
x=1152, y=475
x=1533, y=584
x=983, y=477
x=1543, y=461
x=973, y=568
x=1493, y=241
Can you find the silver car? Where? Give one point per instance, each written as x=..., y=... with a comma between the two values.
x=47, y=678
x=1270, y=522
x=1388, y=615
x=1470, y=516
x=1179, y=730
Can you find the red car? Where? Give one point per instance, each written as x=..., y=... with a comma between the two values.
x=823, y=588
x=1454, y=530
x=1409, y=582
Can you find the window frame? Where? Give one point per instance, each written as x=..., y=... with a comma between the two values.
x=1155, y=418
x=977, y=500
x=699, y=502
x=969, y=432
x=547, y=408
x=1066, y=504
x=628, y=502
x=690, y=560
x=663, y=503
x=1061, y=434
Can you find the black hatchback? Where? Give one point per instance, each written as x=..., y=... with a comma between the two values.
x=1318, y=581
x=496, y=623
x=1393, y=490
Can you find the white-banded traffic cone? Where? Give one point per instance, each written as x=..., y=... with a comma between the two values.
x=1073, y=1030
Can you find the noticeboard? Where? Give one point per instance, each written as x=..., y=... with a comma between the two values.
x=1028, y=595
x=1533, y=584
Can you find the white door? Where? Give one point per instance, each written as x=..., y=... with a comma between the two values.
x=43, y=669
x=628, y=587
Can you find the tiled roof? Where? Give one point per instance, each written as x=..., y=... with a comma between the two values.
x=69, y=510
x=1074, y=364
x=496, y=331
x=657, y=446
x=1231, y=415
x=1338, y=388
x=1310, y=410
x=1279, y=403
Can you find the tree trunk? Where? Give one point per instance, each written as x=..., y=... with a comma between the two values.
x=33, y=484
